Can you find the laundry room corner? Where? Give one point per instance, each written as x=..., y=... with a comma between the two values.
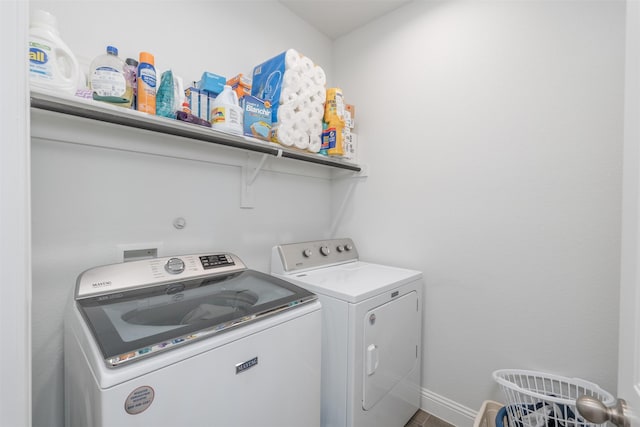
x=493, y=133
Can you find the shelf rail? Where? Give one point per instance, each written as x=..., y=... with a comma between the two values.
x=92, y=110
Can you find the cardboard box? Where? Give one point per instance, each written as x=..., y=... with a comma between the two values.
x=241, y=84
x=257, y=118
x=350, y=144
x=200, y=102
x=212, y=83
x=350, y=115
x=352, y=112
x=193, y=98
x=205, y=106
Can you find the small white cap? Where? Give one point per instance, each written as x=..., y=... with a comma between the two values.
x=43, y=19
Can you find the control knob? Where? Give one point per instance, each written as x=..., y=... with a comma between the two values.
x=307, y=253
x=174, y=266
x=340, y=248
x=324, y=250
x=348, y=246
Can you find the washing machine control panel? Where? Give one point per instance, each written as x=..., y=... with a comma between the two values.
x=117, y=278
x=314, y=254
x=174, y=266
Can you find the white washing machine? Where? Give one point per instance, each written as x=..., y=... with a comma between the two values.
x=191, y=340
x=371, y=332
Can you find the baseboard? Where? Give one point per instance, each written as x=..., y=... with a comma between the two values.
x=447, y=410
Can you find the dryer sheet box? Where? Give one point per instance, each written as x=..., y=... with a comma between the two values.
x=257, y=118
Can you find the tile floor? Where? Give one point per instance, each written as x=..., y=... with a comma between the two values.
x=423, y=419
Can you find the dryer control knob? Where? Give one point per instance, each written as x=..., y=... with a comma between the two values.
x=340, y=248
x=348, y=246
x=324, y=250
x=174, y=266
x=307, y=253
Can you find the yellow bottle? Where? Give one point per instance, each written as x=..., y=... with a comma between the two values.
x=334, y=107
x=334, y=118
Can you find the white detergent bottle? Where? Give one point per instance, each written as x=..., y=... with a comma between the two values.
x=108, y=79
x=52, y=65
x=226, y=113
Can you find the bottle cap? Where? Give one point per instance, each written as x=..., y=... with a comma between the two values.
x=112, y=50
x=43, y=19
x=146, y=57
x=131, y=61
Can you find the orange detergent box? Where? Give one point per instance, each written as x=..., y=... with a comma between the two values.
x=241, y=84
x=257, y=117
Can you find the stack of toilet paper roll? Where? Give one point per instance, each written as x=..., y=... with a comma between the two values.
x=301, y=103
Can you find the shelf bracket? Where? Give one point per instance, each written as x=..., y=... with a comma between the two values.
x=249, y=175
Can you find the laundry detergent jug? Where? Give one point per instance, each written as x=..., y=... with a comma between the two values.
x=226, y=113
x=52, y=65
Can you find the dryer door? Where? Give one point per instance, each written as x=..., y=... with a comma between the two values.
x=390, y=346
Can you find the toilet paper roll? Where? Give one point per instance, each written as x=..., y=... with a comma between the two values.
x=315, y=144
x=287, y=96
x=286, y=113
x=304, y=102
x=301, y=124
x=292, y=80
x=284, y=134
x=319, y=76
x=307, y=113
x=317, y=110
x=306, y=83
x=304, y=94
x=291, y=59
x=315, y=128
x=300, y=140
x=319, y=94
x=314, y=98
x=306, y=65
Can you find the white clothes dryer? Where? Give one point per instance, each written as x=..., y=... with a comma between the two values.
x=191, y=340
x=371, y=331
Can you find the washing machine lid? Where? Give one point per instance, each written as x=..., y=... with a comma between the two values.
x=139, y=321
x=355, y=281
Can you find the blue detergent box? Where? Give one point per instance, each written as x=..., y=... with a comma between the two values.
x=267, y=82
x=211, y=83
x=257, y=117
x=193, y=97
x=200, y=102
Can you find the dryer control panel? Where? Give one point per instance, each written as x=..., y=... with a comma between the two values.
x=295, y=257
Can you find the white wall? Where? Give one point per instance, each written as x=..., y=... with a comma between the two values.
x=628, y=337
x=15, y=267
x=493, y=135
x=89, y=200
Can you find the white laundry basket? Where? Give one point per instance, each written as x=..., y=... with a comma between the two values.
x=536, y=399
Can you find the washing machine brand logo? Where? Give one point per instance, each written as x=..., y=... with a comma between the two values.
x=101, y=284
x=241, y=367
